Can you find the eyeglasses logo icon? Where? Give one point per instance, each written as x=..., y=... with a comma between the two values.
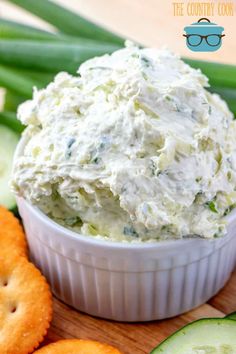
x=204, y=36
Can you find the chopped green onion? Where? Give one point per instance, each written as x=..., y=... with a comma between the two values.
x=67, y=21
x=211, y=206
x=229, y=209
x=130, y=231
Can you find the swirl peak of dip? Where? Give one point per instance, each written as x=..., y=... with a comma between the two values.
x=133, y=148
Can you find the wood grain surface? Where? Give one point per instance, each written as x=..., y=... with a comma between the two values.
x=152, y=23
x=137, y=338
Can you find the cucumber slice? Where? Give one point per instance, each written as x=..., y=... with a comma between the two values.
x=8, y=142
x=232, y=316
x=205, y=336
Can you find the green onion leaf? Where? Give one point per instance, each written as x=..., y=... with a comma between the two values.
x=14, y=30
x=9, y=119
x=12, y=101
x=12, y=80
x=40, y=79
x=49, y=56
x=229, y=95
x=218, y=74
x=67, y=21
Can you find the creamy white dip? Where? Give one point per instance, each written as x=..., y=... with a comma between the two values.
x=133, y=148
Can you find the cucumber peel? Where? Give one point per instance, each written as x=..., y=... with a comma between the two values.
x=204, y=336
x=232, y=316
x=15, y=211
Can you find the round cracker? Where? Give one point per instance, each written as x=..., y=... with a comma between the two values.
x=78, y=346
x=12, y=237
x=25, y=305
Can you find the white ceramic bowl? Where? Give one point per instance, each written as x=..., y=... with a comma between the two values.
x=128, y=282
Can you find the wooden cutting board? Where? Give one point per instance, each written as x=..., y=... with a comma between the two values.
x=135, y=338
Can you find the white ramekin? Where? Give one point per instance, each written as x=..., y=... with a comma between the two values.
x=128, y=282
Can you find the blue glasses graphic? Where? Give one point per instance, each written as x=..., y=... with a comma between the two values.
x=211, y=39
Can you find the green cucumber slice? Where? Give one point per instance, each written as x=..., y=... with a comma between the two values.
x=8, y=142
x=232, y=316
x=205, y=336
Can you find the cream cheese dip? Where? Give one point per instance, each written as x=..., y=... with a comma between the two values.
x=133, y=148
